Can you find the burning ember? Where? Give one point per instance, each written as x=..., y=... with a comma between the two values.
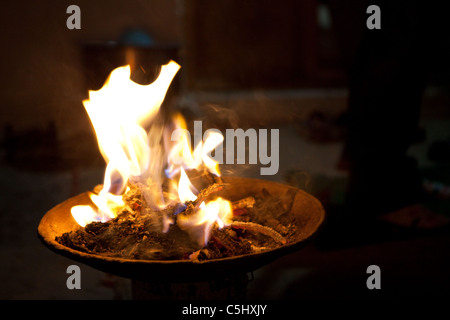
x=160, y=198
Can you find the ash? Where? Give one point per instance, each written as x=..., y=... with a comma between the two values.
x=137, y=231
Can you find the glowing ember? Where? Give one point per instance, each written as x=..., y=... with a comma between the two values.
x=138, y=150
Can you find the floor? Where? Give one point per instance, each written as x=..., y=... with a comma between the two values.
x=412, y=267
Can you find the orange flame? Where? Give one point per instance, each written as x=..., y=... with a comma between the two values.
x=186, y=191
x=199, y=225
x=181, y=155
x=119, y=112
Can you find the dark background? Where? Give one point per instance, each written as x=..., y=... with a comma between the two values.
x=260, y=64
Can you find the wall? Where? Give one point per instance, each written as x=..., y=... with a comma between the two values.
x=42, y=77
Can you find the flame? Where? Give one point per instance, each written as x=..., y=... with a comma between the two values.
x=120, y=111
x=185, y=189
x=199, y=224
x=108, y=205
x=84, y=215
x=181, y=155
x=213, y=139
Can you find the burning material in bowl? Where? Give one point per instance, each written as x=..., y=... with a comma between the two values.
x=148, y=207
x=136, y=232
x=162, y=204
x=302, y=209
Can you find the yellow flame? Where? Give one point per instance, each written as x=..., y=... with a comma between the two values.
x=107, y=207
x=119, y=111
x=185, y=188
x=182, y=156
x=84, y=215
x=199, y=225
x=213, y=139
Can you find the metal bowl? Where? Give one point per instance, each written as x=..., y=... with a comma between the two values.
x=307, y=213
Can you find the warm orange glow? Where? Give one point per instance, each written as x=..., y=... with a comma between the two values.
x=84, y=215
x=181, y=154
x=199, y=225
x=122, y=114
x=212, y=140
x=118, y=112
x=185, y=188
x=107, y=207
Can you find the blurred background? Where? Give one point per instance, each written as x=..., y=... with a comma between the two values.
x=245, y=64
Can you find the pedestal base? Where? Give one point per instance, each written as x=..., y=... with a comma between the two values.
x=230, y=288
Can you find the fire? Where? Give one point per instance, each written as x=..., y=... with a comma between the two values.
x=186, y=191
x=199, y=224
x=137, y=149
x=181, y=156
x=213, y=139
x=108, y=205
